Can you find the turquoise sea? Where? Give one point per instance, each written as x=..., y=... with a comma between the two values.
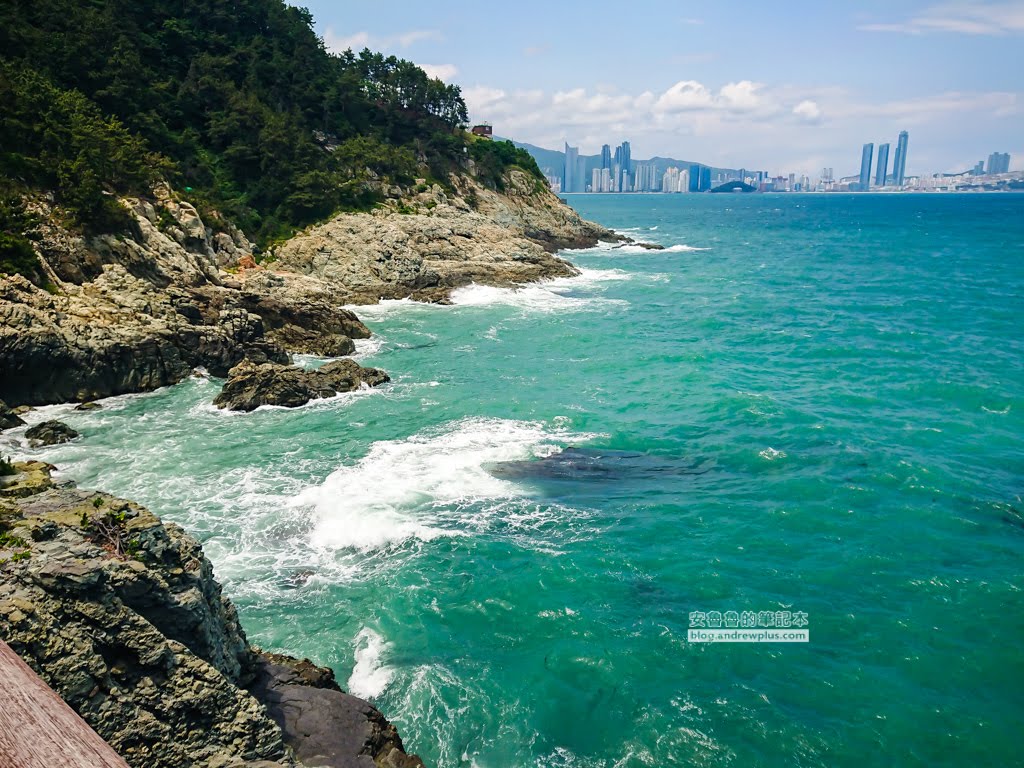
x=804, y=403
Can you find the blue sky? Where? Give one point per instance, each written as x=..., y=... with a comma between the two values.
x=791, y=86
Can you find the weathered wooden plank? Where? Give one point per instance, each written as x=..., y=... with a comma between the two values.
x=37, y=729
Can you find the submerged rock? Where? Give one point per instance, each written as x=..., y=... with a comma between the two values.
x=88, y=406
x=598, y=464
x=121, y=615
x=50, y=433
x=251, y=384
x=8, y=418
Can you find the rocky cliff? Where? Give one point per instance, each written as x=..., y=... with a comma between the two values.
x=437, y=240
x=121, y=615
x=139, y=311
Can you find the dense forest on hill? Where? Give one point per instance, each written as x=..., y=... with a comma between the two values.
x=235, y=102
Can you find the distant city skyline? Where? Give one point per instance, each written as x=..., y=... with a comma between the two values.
x=733, y=84
x=571, y=172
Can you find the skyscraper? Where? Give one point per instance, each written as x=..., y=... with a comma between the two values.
x=699, y=178
x=627, y=165
x=882, y=169
x=606, y=156
x=899, y=163
x=999, y=162
x=865, y=167
x=569, y=173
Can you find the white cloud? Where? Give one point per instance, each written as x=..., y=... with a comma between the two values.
x=808, y=111
x=748, y=124
x=965, y=17
x=684, y=95
x=690, y=95
x=440, y=71
x=337, y=43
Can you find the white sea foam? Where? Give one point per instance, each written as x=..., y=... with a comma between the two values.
x=544, y=296
x=416, y=488
x=384, y=308
x=370, y=676
x=1000, y=411
x=369, y=347
x=677, y=248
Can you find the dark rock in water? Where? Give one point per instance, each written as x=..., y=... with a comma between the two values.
x=50, y=433
x=596, y=464
x=646, y=246
x=8, y=418
x=323, y=725
x=251, y=385
x=89, y=406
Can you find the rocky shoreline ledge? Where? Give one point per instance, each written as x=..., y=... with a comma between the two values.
x=136, y=312
x=122, y=616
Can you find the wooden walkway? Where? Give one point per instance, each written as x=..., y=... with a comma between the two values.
x=38, y=730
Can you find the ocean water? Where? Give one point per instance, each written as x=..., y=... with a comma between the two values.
x=805, y=403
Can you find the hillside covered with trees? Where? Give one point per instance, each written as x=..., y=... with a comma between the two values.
x=236, y=103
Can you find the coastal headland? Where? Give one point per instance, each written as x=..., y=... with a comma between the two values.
x=120, y=613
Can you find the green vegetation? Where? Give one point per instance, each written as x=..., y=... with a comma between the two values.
x=16, y=225
x=493, y=158
x=9, y=541
x=236, y=103
x=7, y=468
x=108, y=531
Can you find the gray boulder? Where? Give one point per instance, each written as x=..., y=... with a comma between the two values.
x=251, y=384
x=50, y=433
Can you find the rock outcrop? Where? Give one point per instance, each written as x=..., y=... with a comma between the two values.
x=322, y=723
x=135, y=313
x=251, y=384
x=50, y=433
x=121, y=615
x=8, y=418
x=437, y=241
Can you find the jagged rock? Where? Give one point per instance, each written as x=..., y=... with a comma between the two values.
x=135, y=312
x=30, y=477
x=146, y=651
x=322, y=724
x=121, y=615
x=8, y=418
x=50, y=433
x=252, y=384
x=140, y=311
x=506, y=239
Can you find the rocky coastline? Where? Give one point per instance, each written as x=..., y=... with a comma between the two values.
x=120, y=613
x=141, y=311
